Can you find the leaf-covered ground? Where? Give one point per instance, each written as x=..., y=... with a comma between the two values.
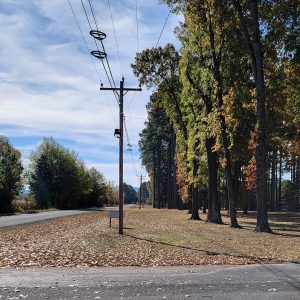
x=151, y=237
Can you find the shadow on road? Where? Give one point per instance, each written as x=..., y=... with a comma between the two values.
x=290, y=280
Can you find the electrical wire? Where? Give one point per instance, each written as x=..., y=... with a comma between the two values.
x=163, y=28
x=92, y=59
x=128, y=143
x=96, y=23
x=137, y=26
x=116, y=41
x=84, y=40
x=129, y=102
x=109, y=79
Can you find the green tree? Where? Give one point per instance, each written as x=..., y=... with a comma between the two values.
x=57, y=177
x=10, y=174
x=144, y=192
x=157, y=148
x=97, y=194
x=130, y=195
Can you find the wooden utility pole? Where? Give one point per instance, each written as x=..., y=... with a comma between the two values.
x=121, y=89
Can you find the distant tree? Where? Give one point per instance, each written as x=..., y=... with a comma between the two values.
x=130, y=195
x=97, y=193
x=144, y=192
x=10, y=174
x=58, y=178
x=111, y=193
x=157, y=148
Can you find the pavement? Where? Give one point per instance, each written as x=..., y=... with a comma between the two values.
x=20, y=219
x=269, y=281
x=15, y=220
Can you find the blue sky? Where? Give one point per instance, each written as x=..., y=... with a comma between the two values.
x=49, y=87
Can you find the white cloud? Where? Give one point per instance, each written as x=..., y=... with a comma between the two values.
x=48, y=85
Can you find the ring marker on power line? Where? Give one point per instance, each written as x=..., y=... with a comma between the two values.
x=99, y=35
x=99, y=54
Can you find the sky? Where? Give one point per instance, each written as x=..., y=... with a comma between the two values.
x=49, y=85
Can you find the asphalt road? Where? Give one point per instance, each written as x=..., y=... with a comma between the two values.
x=185, y=282
x=8, y=221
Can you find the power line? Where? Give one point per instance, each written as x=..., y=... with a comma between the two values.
x=137, y=26
x=163, y=28
x=113, y=25
x=92, y=60
x=84, y=40
x=134, y=117
x=86, y=15
x=110, y=82
x=96, y=23
x=129, y=145
x=129, y=102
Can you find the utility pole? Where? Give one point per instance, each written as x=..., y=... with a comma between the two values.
x=140, y=204
x=119, y=132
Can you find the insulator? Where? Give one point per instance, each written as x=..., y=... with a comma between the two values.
x=99, y=54
x=99, y=35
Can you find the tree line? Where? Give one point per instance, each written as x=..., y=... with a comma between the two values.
x=223, y=127
x=56, y=178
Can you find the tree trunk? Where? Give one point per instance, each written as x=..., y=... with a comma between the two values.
x=204, y=201
x=169, y=176
x=195, y=205
x=273, y=182
x=159, y=178
x=237, y=183
x=195, y=192
x=296, y=185
x=155, y=192
x=224, y=135
x=279, y=183
x=262, y=224
x=214, y=214
x=256, y=54
x=276, y=183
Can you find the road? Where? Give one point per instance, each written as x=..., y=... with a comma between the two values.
x=8, y=221
x=185, y=282
x=15, y=220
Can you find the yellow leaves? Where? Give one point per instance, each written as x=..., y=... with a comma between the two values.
x=290, y=70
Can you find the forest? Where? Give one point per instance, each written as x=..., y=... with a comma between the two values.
x=223, y=128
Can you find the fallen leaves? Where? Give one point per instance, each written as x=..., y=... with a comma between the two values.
x=152, y=238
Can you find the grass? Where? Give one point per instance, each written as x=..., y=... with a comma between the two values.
x=151, y=237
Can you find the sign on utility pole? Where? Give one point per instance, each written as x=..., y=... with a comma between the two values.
x=121, y=89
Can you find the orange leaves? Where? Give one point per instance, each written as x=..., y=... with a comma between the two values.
x=181, y=176
x=250, y=173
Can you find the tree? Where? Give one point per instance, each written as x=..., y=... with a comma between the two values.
x=231, y=95
x=97, y=188
x=144, y=192
x=111, y=193
x=10, y=174
x=58, y=178
x=130, y=194
x=252, y=36
x=157, y=148
x=159, y=67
